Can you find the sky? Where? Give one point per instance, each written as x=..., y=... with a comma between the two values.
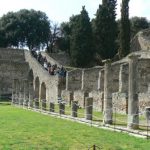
x=61, y=10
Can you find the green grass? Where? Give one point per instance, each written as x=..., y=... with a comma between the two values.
x=26, y=130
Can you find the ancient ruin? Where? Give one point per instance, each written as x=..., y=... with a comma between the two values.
x=123, y=85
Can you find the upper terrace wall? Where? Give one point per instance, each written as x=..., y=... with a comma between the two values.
x=12, y=65
x=12, y=54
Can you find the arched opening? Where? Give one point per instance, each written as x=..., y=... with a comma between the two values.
x=43, y=95
x=36, y=90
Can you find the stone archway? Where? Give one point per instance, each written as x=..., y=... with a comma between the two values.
x=43, y=95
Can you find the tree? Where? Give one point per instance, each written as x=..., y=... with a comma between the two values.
x=64, y=43
x=53, y=38
x=81, y=39
x=124, y=30
x=105, y=29
x=25, y=28
x=137, y=24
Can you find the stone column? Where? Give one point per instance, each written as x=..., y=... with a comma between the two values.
x=61, y=108
x=14, y=84
x=31, y=95
x=107, y=93
x=21, y=93
x=101, y=80
x=43, y=104
x=133, y=102
x=82, y=80
x=52, y=107
x=74, y=108
x=17, y=91
x=26, y=92
x=88, y=108
x=67, y=78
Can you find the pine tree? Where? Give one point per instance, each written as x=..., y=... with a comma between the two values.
x=124, y=30
x=105, y=30
x=81, y=40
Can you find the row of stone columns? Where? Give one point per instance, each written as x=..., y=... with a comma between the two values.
x=22, y=92
x=133, y=102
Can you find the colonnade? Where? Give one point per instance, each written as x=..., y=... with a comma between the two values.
x=23, y=95
x=133, y=101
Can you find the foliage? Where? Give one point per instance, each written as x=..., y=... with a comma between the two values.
x=64, y=41
x=137, y=24
x=54, y=38
x=25, y=28
x=124, y=30
x=81, y=40
x=105, y=29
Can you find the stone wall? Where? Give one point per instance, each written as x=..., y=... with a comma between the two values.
x=143, y=75
x=12, y=65
x=90, y=79
x=114, y=82
x=80, y=96
x=74, y=80
x=12, y=55
x=120, y=102
x=98, y=100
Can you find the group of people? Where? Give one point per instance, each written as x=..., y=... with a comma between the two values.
x=52, y=69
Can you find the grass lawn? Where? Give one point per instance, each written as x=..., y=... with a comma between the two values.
x=26, y=130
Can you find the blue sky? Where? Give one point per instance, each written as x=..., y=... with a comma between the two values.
x=61, y=10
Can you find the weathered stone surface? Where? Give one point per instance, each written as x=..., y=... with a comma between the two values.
x=74, y=108
x=67, y=96
x=133, y=102
x=80, y=97
x=120, y=102
x=52, y=107
x=88, y=108
x=107, y=93
x=141, y=41
x=61, y=108
x=98, y=100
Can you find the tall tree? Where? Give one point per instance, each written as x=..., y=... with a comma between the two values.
x=81, y=40
x=64, y=41
x=105, y=29
x=124, y=30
